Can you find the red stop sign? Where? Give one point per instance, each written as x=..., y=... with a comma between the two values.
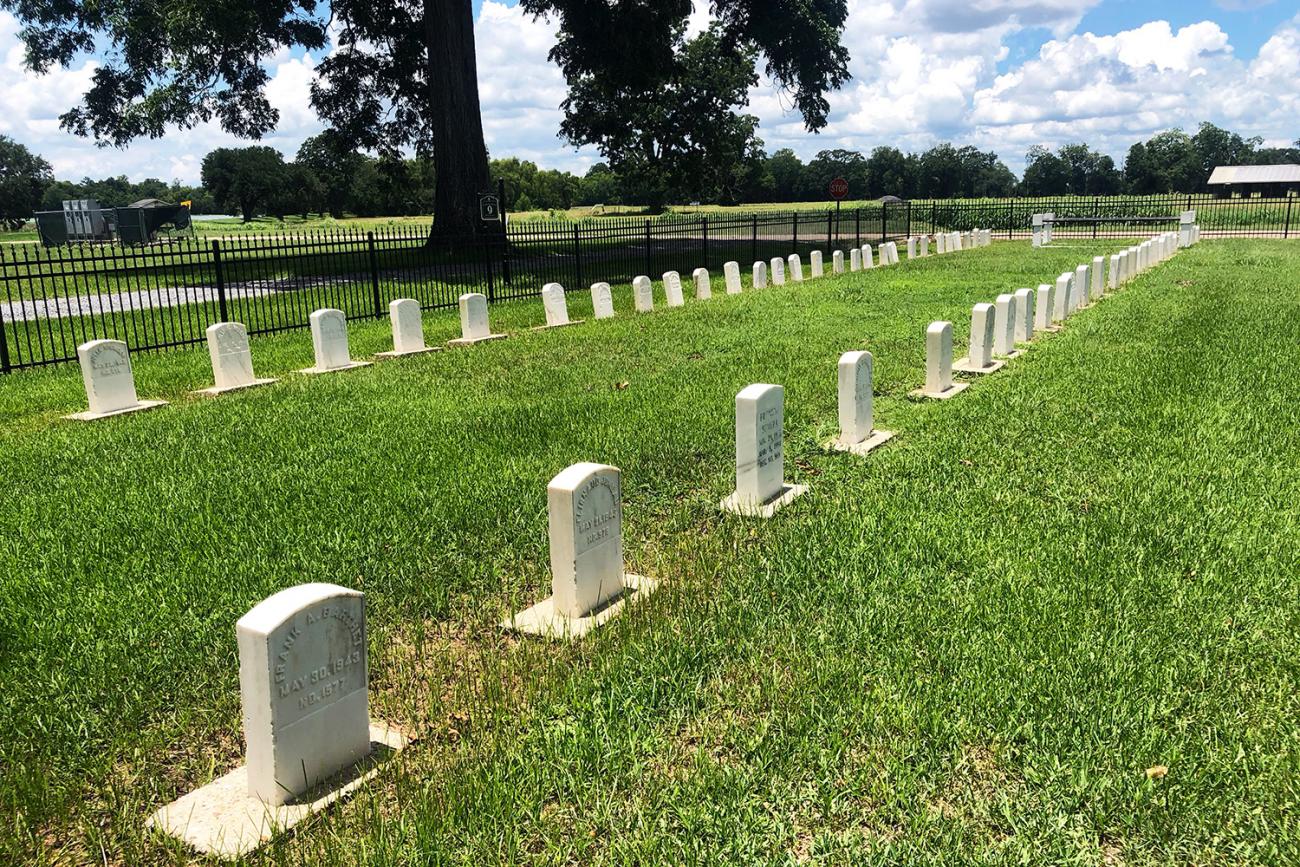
x=839, y=188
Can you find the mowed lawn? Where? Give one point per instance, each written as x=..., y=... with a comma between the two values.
x=978, y=645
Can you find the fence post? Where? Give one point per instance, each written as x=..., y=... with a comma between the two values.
x=487, y=260
x=1096, y=215
x=221, y=280
x=794, y=241
x=934, y=218
x=704, y=221
x=830, y=224
x=857, y=227
x=908, y=233
x=648, y=266
x=577, y=254
x=374, y=272
x=1286, y=228
x=754, y=242
x=884, y=209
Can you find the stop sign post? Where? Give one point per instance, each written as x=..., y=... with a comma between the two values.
x=839, y=189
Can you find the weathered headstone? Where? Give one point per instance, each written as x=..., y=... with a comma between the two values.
x=1112, y=273
x=796, y=268
x=837, y=262
x=673, y=289
x=602, y=301
x=307, y=729
x=815, y=269
x=760, y=275
x=1081, y=282
x=474, y=321
x=1004, y=326
x=1024, y=331
x=1036, y=224
x=866, y=257
x=731, y=276
x=855, y=259
x=760, y=453
x=329, y=337
x=911, y=248
x=556, y=306
x=585, y=528
x=1044, y=305
x=778, y=271
x=856, y=406
x=643, y=294
x=925, y=246
x=1061, y=299
x=232, y=360
x=110, y=383
x=940, y=243
x=979, y=358
x=1096, y=274
x=408, y=329
x=938, y=364
x=703, y=284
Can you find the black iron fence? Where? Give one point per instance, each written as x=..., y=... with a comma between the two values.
x=165, y=295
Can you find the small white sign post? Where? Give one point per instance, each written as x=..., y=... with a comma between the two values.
x=110, y=383
x=856, y=406
x=588, y=584
x=760, y=454
x=232, y=360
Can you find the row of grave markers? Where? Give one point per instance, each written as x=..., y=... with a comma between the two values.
x=303, y=653
x=110, y=384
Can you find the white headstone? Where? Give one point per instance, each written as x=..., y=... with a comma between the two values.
x=837, y=262
x=760, y=452
x=474, y=320
x=106, y=373
x=925, y=245
x=408, y=330
x=1044, y=305
x=1024, y=325
x=1112, y=273
x=232, y=361
x=673, y=289
x=760, y=275
x=938, y=363
x=855, y=259
x=778, y=271
x=866, y=257
x=815, y=268
x=555, y=305
x=643, y=295
x=303, y=684
x=796, y=268
x=329, y=336
x=731, y=275
x=1061, y=299
x=703, y=284
x=940, y=243
x=602, y=301
x=1096, y=274
x=891, y=250
x=1081, y=283
x=585, y=518
x=857, y=421
x=980, y=355
x=1004, y=325
x=911, y=247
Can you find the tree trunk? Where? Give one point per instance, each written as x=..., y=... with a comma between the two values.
x=459, y=154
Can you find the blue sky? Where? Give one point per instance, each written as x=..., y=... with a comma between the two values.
x=1004, y=75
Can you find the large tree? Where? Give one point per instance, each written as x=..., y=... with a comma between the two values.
x=403, y=74
x=246, y=179
x=662, y=108
x=23, y=179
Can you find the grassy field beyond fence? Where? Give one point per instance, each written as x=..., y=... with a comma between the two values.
x=972, y=647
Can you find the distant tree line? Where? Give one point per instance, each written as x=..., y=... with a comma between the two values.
x=326, y=176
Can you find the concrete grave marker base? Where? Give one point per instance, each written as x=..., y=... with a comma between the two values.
x=351, y=365
x=1015, y=353
x=470, y=341
x=222, y=819
x=393, y=353
x=544, y=620
x=214, y=390
x=963, y=365
x=951, y=391
x=88, y=415
x=787, y=495
x=878, y=438
x=556, y=325
x=1050, y=329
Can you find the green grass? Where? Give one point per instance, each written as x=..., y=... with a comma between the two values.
x=967, y=648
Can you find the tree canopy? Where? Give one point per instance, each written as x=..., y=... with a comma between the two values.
x=23, y=179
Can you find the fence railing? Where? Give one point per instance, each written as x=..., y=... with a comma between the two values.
x=165, y=295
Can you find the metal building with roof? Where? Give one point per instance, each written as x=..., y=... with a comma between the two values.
x=1263, y=181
